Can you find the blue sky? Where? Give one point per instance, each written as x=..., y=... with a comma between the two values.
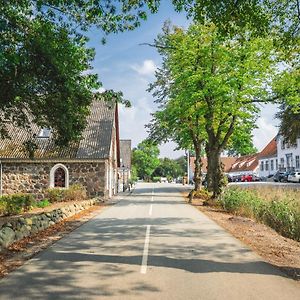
x=124, y=65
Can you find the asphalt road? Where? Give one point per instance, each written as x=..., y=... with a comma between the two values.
x=150, y=245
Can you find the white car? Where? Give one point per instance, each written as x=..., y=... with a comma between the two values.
x=294, y=177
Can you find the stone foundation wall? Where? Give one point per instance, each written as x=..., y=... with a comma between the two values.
x=35, y=177
x=19, y=228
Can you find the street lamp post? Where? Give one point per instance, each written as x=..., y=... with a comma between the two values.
x=123, y=168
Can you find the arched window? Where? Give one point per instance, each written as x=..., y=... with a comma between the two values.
x=59, y=176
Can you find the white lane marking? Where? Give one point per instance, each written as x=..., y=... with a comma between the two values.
x=150, y=210
x=146, y=249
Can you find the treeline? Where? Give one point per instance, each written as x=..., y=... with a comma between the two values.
x=148, y=166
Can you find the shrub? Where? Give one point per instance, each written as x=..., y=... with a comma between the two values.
x=16, y=204
x=42, y=203
x=75, y=192
x=55, y=194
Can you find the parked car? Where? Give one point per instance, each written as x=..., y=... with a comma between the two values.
x=236, y=178
x=286, y=175
x=246, y=178
x=278, y=176
x=256, y=178
x=294, y=177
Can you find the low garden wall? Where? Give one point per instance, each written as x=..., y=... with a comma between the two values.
x=21, y=227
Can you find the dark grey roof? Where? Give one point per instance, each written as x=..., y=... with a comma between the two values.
x=94, y=144
x=125, y=153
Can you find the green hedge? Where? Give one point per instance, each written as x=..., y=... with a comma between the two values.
x=281, y=215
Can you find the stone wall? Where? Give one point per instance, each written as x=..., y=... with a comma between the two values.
x=19, y=228
x=34, y=177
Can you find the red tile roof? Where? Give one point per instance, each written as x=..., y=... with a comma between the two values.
x=270, y=150
x=245, y=163
x=227, y=162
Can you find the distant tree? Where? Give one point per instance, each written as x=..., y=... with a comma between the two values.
x=168, y=168
x=145, y=159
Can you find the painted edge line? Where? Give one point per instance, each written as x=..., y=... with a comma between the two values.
x=150, y=210
x=146, y=250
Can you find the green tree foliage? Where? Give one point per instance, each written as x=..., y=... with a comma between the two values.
x=210, y=90
x=45, y=61
x=145, y=159
x=168, y=168
x=287, y=89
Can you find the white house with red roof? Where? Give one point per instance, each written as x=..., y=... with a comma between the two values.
x=268, y=161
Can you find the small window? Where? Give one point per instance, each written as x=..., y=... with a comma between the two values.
x=59, y=178
x=44, y=133
x=272, y=165
x=267, y=166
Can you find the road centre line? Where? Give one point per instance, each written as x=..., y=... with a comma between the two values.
x=146, y=250
x=150, y=210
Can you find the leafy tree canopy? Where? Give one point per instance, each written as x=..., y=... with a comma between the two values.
x=208, y=89
x=168, y=168
x=145, y=159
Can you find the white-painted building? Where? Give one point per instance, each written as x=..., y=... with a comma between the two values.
x=268, y=161
x=288, y=155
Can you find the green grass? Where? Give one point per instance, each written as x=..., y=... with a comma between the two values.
x=279, y=209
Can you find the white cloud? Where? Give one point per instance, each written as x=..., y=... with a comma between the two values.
x=265, y=132
x=147, y=68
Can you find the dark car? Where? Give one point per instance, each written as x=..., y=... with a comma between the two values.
x=256, y=178
x=286, y=175
x=278, y=176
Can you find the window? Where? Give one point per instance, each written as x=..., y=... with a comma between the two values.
x=272, y=165
x=261, y=165
x=297, y=162
x=282, y=162
x=282, y=144
x=276, y=164
x=44, y=133
x=59, y=176
x=267, y=165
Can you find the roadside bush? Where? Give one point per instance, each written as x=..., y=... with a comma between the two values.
x=55, y=195
x=75, y=192
x=156, y=179
x=281, y=215
x=284, y=217
x=42, y=203
x=16, y=204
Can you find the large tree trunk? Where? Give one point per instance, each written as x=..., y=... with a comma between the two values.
x=198, y=171
x=214, y=170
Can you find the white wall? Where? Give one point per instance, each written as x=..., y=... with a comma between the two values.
x=288, y=155
x=268, y=166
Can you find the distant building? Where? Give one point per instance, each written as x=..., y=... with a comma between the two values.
x=226, y=161
x=247, y=164
x=124, y=170
x=268, y=161
x=288, y=155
